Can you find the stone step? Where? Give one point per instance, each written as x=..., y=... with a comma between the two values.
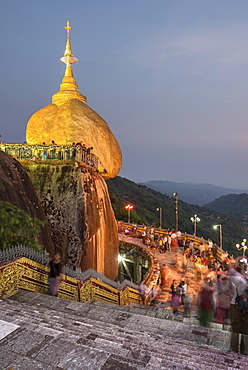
x=43, y=332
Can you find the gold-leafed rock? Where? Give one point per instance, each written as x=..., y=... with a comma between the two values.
x=70, y=120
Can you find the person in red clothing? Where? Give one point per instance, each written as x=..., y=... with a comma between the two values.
x=174, y=241
x=164, y=275
x=225, y=289
x=206, y=304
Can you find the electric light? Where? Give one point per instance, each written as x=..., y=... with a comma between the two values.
x=120, y=258
x=216, y=227
x=176, y=209
x=159, y=209
x=195, y=219
x=129, y=207
x=242, y=246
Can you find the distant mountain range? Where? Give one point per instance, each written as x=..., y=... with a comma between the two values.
x=235, y=205
x=192, y=193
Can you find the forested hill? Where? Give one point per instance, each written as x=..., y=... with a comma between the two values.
x=235, y=205
x=146, y=201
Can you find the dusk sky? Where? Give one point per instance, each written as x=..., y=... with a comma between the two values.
x=169, y=76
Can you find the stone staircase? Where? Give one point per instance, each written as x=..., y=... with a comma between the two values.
x=42, y=332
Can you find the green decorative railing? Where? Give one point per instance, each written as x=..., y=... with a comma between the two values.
x=51, y=152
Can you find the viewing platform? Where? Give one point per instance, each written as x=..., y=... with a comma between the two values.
x=51, y=152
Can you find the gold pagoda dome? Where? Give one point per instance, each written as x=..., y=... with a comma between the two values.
x=70, y=120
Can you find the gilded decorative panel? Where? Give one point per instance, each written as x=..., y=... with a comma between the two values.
x=10, y=276
x=26, y=274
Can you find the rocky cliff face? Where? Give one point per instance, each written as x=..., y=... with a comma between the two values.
x=80, y=215
x=101, y=236
x=16, y=188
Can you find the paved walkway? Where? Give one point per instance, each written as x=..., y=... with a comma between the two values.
x=168, y=258
x=42, y=332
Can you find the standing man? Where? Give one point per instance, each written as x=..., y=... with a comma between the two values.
x=239, y=318
x=54, y=274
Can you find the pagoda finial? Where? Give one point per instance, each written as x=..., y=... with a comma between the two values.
x=68, y=88
x=68, y=57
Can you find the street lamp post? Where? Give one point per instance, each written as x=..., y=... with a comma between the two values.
x=128, y=207
x=195, y=219
x=242, y=246
x=160, y=216
x=176, y=209
x=221, y=243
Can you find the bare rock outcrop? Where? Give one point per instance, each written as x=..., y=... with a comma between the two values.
x=101, y=235
x=80, y=215
x=16, y=188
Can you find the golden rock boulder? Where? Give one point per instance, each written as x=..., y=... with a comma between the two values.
x=70, y=120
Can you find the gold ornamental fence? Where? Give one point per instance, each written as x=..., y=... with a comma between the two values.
x=24, y=273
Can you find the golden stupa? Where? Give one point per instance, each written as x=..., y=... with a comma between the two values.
x=70, y=120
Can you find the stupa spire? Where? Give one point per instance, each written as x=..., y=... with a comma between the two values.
x=68, y=57
x=68, y=88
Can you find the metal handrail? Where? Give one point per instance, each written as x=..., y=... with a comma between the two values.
x=51, y=152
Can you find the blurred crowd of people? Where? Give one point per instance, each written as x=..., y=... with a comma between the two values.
x=219, y=301
x=157, y=241
x=222, y=285
x=217, y=285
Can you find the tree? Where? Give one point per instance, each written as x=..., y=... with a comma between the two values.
x=17, y=227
